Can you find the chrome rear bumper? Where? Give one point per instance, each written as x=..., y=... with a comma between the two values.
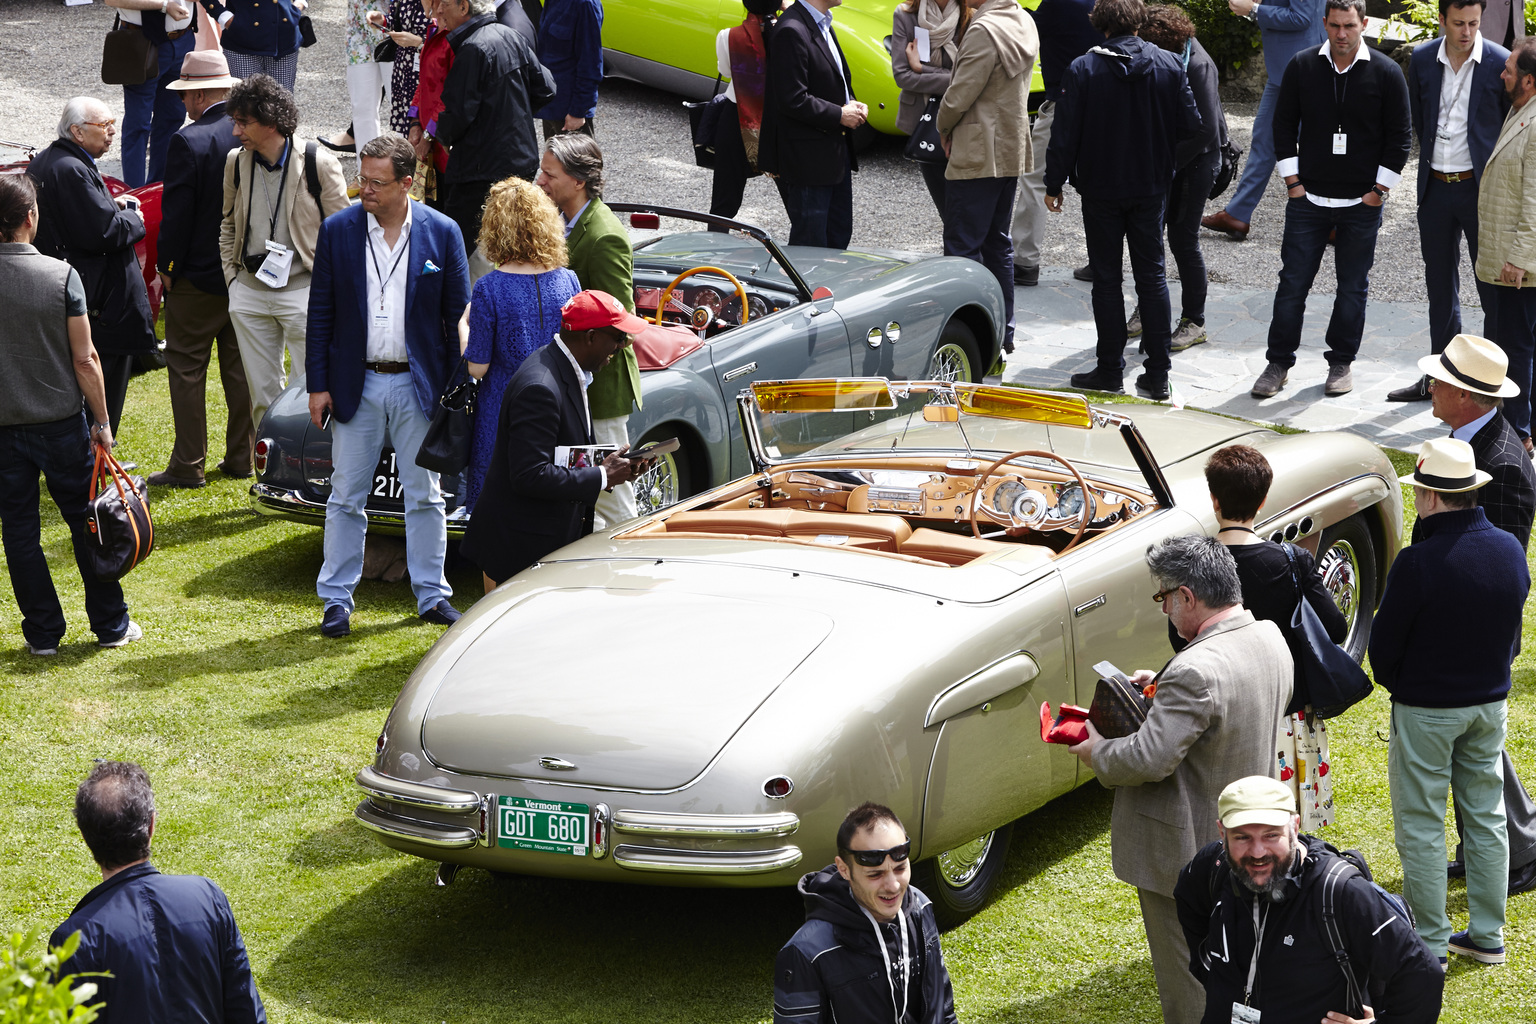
x=287, y=503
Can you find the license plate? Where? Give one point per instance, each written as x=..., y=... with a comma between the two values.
x=547, y=826
x=386, y=478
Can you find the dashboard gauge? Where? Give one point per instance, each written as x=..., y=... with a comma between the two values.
x=1069, y=502
x=708, y=298
x=757, y=306
x=1007, y=494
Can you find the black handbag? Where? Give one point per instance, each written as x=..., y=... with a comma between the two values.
x=118, y=519
x=386, y=51
x=306, y=32
x=1231, y=158
x=924, y=145
x=1327, y=678
x=128, y=57
x=703, y=122
x=445, y=449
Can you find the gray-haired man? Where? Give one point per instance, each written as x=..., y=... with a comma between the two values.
x=1218, y=704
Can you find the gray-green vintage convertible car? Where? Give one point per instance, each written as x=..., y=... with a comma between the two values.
x=850, y=622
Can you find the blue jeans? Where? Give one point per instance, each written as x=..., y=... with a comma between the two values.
x=1301, y=252
x=978, y=225
x=1261, y=157
x=1430, y=751
x=61, y=453
x=1447, y=212
x=1109, y=226
x=820, y=214
x=152, y=114
x=388, y=412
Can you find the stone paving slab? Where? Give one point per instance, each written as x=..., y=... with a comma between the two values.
x=1056, y=337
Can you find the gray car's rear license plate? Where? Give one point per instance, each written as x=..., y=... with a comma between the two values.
x=547, y=826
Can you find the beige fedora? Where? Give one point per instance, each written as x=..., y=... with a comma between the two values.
x=1474, y=363
x=204, y=69
x=1446, y=464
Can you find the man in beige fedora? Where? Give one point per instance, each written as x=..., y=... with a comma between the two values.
x=196, y=297
x=1445, y=634
x=1467, y=382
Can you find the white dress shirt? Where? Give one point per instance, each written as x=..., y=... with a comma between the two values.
x=1291, y=165
x=171, y=24
x=1451, y=151
x=387, y=271
x=1467, y=431
x=585, y=377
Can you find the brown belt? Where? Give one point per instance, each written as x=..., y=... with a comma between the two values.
x=169, y=35
x=1453, y=177
x=389, y=367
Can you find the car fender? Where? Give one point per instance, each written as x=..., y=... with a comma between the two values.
x=688, y=403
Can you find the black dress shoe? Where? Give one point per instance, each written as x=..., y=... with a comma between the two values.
x=1026, y=276
x=1522, y=879
x=1084, y=273
x=337, y=622
x=164, y=478
x=1097, y=380
x=1155, y=386
x=336, y=147
x=1418, y=391
x=233, y=472
x=1455, y=869
x=441, y=614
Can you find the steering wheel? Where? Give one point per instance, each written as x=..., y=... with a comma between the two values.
x=666, y=293
x=1029, y=510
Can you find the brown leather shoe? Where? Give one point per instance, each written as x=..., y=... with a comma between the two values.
x=1222, y=221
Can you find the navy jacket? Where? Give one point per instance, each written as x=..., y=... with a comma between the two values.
x=1486, y=107
x=529, y=506
x=1125, y=96
x=173, y=948
x=1287, y=27
x=515, y=16
x=78, y=222
x=1509, y=499
x=192, y=203
x=803, y=139
x=259, y=28
x=832, y=971
x=489, y=97
x=436, y=292
x=1065, y=35
x=571, y=47
x=1449, y=622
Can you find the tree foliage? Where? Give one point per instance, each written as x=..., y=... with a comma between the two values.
x=1231, y=41
x=32, y=991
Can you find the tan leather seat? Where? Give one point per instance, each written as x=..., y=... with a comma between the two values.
x=878, y=531
x=763, y=522
x=949, y=548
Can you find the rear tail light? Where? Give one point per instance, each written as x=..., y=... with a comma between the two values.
x=645, y=221
x=263, y=449
x=778, y=787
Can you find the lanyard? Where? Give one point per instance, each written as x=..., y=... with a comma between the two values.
x=1339, y=95
x=282, y=183
x=1258, y=940
x=1445, y=109
x=906, y=961
x=379, y=272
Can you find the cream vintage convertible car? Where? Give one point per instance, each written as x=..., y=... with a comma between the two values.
x=876, y=616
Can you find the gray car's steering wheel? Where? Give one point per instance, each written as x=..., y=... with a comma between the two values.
x=1029, y=510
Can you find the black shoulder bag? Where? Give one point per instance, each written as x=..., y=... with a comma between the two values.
x=1327, y=678
x=924, y=145
x=703, y=122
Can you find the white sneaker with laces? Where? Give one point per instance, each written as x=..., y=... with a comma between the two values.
x=132, y=633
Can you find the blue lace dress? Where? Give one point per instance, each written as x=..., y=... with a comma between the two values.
x=504, y=329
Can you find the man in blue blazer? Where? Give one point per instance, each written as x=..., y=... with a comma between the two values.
x=390, y=284
x=1458, y=104
x=1286, y=27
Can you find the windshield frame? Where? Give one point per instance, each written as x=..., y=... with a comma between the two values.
x=802, y=290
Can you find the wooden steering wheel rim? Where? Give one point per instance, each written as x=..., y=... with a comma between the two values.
x=981, y=485
x=666, y=293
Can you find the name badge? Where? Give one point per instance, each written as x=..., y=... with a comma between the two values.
x=381, y=322
x=1244, y=1014
x=1340, y=143
x=274, y=269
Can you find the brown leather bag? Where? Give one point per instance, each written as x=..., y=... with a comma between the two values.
x=127, y=57
x=1118, y=707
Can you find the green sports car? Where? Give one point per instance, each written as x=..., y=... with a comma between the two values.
x=670, y=44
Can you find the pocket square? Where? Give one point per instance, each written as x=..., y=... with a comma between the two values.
x=430, y=268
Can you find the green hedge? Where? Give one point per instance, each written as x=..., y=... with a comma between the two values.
x=1231, y=41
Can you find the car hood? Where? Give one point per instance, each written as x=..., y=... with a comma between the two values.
x=552, y=678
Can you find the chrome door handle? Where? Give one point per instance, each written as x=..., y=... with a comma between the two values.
x=1084, y=609
x=730, y=375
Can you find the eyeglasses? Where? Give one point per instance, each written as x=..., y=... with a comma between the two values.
x=373, y=183
x=1163, y=595
x=874, y=858
x=103, y=125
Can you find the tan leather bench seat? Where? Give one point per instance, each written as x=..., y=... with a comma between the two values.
x=949, y=548
x=868, y=530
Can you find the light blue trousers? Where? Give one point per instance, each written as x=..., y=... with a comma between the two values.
x=388, y=412
x=1260, y=163
x=1460, y=749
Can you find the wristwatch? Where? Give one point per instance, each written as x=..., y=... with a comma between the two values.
x=1381, y=192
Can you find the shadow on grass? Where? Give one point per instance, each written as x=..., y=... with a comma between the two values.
x=373, y=686
x=1123, y=993
x=1055, y=832
x=271, y=572
x=297, y=646
x=537, y=949
x=211, y=526
x=342, y=843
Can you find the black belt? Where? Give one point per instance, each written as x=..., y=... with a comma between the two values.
x=389, y=367
x=169, y=36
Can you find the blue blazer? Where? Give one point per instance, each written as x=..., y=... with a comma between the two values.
x=1286, y=27
x=435, y=297
x=1486, y=108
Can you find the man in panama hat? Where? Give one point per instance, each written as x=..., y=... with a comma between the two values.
x=1442, y=643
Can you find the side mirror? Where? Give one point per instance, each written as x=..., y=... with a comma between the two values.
x=821, y=301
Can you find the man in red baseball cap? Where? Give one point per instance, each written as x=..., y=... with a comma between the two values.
x=537, y=497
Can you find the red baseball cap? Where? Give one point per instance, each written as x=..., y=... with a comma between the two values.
x=589, y=310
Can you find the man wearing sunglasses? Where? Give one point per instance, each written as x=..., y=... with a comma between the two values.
x=868, y=952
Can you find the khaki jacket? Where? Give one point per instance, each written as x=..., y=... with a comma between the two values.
x=298, y=206
x=985, y=110
x=1213, y=721
x=1506, y=199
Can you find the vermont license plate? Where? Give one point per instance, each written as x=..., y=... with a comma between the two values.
x=547, y=826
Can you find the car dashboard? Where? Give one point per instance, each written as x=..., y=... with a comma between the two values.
x=706, y=302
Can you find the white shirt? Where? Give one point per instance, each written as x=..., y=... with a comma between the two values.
x=586, y=381
x=387, y=271
x=723, y=62
x=1467, y=431
x=171, y=24
x=1291, y=165
x=1451, y=152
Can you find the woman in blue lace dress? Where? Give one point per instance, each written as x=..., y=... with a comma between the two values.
x=515, y=309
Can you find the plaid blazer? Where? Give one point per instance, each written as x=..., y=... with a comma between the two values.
x=1509, y=499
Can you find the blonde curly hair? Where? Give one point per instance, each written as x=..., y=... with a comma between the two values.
x=521, y=225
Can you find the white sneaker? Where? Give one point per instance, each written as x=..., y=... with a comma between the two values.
x=42, y=652
x=132, y=633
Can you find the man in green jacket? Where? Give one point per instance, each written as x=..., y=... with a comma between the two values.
x=571, y=174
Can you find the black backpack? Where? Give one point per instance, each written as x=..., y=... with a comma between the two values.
x=1339, y=868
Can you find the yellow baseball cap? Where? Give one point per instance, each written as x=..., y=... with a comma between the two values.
x=1256, y=800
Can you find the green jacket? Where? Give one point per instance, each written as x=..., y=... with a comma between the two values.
x=601, y=258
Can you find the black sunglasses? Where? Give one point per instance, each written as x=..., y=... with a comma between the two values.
x=874, y=858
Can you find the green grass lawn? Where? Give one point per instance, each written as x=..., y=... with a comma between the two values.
x=252, y=726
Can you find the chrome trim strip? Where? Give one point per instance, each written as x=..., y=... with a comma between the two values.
x=1359, y=486
x=285, y=503
x=443, y=837
x=705, y=826
x=413, y=794
x=642, y=858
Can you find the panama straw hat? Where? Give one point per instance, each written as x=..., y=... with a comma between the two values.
x=1474, y=363
x=203, y=69
x=1446, y=465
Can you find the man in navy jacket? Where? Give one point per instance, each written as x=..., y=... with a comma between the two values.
x=571, y=47
x=1457, y=101
x=390, y=284
x=192, y=276
x=169, y=942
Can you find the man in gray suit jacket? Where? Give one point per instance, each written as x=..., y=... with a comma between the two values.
x=1213, y=719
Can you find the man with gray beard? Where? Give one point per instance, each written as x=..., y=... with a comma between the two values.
x=1264, y=880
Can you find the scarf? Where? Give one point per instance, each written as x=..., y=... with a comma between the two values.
x=941, y=25
x=749, y=74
